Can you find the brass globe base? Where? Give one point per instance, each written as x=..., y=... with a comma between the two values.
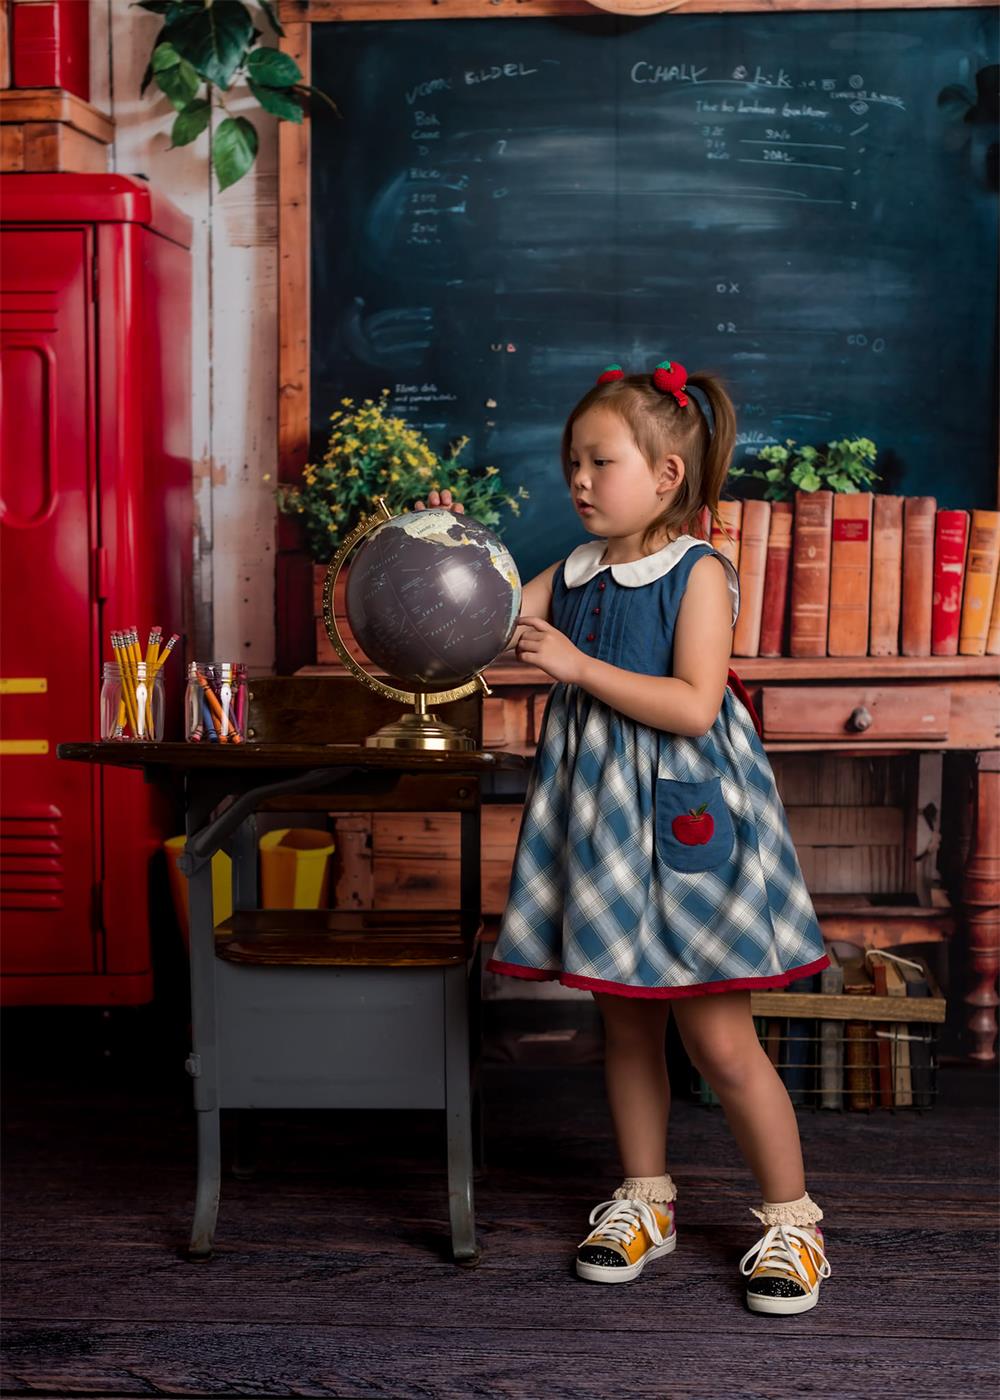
x=420, y=731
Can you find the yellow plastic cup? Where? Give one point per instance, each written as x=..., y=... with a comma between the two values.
x=295, y=868
x=222, y=886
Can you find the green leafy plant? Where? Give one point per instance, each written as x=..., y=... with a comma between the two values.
x=836, y=466
x=372, y=453
x=214, y=43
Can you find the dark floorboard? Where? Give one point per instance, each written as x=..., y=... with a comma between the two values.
x=331, y=1277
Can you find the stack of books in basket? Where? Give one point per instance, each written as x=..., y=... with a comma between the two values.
x=838, y=1041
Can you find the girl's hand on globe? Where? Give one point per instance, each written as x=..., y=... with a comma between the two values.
x=441, y=499
x=540, y=644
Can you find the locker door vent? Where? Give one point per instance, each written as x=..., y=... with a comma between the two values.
x=31, y=858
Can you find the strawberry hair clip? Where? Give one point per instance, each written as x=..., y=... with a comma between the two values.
x=668, y=376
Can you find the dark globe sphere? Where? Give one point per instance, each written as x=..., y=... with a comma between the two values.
x=433, y=597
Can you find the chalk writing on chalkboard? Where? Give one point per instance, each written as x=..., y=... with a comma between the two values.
x=789, y=200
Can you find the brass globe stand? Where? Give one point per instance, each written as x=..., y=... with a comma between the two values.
x=421, y=729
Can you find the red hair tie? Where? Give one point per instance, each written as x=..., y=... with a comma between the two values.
x=610, y=373
x=670, y=378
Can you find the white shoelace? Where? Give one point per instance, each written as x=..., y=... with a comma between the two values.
x=777, y=1251
x=621, y=1221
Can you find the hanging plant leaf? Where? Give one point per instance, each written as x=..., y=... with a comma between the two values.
x=174, y=75
x=190, y=122
x=234, y=147
x=278, y=101
x=214, y=39
x=273, y=67
x=156, y=7
x=272, y=18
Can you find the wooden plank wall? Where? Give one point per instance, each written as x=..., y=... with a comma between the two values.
x=234, y=343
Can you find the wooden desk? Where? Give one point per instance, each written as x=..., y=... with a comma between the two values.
x=915, y=707
x=251, y=777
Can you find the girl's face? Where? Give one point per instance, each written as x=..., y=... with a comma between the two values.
x=613, y=489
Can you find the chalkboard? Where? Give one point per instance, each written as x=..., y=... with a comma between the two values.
x=802, y=203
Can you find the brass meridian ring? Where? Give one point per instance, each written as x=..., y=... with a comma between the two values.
x=364, y=527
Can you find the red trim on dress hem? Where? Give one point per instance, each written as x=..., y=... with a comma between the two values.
x=623, y=989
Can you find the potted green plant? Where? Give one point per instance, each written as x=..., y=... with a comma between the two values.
x=213, y=44
x=372, y=452
x=845, y=465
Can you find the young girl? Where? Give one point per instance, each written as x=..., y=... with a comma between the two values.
x=654, y=865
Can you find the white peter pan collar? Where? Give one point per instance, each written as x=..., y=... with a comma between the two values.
x=585, y=563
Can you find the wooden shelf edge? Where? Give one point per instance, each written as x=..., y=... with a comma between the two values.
x=56, y=105
x=844, y=1007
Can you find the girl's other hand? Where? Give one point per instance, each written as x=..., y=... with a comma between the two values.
x=441, y=499
x=542, y=645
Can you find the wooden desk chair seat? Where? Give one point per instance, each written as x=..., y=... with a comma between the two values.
x=344, y=1008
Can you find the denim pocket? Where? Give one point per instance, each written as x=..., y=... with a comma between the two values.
x=694, y=830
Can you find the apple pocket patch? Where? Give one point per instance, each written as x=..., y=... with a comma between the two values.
x=694, y=830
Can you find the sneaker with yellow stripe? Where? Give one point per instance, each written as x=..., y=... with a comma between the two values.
x=625, y=1235
x=785, y=1267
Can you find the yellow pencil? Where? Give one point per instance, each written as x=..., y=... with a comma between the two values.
x=164, y=655
x=124, y=670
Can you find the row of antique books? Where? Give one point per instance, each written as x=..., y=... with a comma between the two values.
x=856, y=1065
x=861, y=574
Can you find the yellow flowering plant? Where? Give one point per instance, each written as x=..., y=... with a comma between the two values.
x=370, y=454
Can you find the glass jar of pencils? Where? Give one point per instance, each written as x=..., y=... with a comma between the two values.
x=215, y=703
x=132, y=709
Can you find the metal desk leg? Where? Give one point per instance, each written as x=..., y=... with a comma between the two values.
x=458, y=1111
x=243, y=845
x=202, y=1063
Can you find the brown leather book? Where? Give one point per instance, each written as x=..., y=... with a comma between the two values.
x=753, y=560
x=850, y=573
x=860, y=1056
x=811, y=572
x=951, y=540
x=776, y=572
x=918, y=574
x=727, y=541
x=858, y=1066
x=980, y=581
x=887, y=575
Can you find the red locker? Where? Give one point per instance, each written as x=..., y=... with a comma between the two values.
x=95, y=533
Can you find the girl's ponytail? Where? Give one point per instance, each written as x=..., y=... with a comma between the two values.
x=721, y=440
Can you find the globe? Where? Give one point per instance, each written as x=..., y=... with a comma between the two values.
x=432, y=597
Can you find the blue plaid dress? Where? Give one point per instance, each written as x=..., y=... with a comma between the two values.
x=610, y=891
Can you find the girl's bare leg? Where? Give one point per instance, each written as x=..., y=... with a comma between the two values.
x=635, y=1072
x=719, y=1036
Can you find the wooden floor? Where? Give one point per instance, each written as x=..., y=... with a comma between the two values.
x=330, y=1277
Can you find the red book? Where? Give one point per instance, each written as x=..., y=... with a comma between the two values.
x=951, y=538
x=776, y=570
x=811, y=542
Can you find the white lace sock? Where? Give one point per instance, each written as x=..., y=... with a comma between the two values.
x=655, y=1190
x=804, y=1212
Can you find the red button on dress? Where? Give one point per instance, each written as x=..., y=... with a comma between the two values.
x=590, y=636
x=601, y=587
x=597, y=610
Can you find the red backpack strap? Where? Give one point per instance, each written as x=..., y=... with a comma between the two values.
x=742, y=694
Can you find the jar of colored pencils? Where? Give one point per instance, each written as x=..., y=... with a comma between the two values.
x=215, y=704
x=132, y=710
